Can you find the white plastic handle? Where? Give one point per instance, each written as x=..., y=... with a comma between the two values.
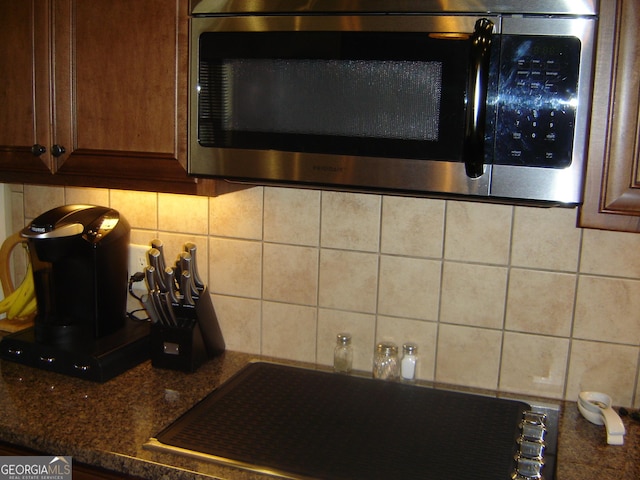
x=596, y=407
x=615, y=427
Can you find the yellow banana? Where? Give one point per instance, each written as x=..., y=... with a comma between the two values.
x=18, y=299
x=29, y=308
x=26, y=293
x=6, y=302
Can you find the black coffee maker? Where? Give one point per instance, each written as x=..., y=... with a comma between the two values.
x=79, y=256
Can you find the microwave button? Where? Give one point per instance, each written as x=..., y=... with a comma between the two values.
x=551, y=65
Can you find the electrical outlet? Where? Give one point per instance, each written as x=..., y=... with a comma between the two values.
x=137, y=258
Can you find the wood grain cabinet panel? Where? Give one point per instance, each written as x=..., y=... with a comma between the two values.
x=110, y=78
x=25, y=97
x=612, y=189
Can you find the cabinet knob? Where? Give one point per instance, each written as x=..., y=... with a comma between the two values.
x=38, y=149
x=57, y=150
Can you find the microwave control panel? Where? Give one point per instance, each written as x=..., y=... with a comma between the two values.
x=537, y=99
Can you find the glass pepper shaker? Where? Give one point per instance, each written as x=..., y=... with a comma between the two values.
x=385, y=363
x=408, y=363
x=343, y=354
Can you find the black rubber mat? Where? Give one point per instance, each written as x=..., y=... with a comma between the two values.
x=314, y=424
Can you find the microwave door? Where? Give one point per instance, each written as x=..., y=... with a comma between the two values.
x=381, y=106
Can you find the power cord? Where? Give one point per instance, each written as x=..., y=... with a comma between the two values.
x=135, y=278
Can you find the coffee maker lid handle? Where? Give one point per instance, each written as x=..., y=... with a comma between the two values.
x=40, y=231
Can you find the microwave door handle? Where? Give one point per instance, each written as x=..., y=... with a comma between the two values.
x=473, y=152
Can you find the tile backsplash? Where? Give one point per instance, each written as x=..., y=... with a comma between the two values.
x=515, y=299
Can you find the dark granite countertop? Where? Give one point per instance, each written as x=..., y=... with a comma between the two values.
x=107, y=424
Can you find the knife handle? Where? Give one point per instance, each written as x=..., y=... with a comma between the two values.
x=170, y=277
x=185, y=288
x=154, y=260
x=168, y=308
x=186, y=264
x=160, y=308
x=158, y=245
x=150, y=277
x=147, y=303
x=192, y=249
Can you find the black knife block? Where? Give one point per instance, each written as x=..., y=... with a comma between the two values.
x=195, y=339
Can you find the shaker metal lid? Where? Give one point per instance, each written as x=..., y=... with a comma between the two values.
x=387, y=348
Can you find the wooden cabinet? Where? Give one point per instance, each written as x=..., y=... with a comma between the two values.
x=612, y=190
x=25, y=96
x=102, y=86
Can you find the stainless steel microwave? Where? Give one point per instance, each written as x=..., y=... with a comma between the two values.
x=483, y=98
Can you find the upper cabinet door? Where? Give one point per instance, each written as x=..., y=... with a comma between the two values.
x=612, y=189
x=121, y=90
x=25, y=96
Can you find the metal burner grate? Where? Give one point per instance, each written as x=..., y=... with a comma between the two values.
x=313, y=424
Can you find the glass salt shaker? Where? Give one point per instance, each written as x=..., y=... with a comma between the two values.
x=385, y=363
x=408, y=363
x=343, y=354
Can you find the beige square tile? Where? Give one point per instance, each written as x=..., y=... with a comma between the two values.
x=39, y=199
x=237, y=214
x=468, y=356
x=608, y=253
x=607, y=309
x=87, y=196
x=540, y=302
x=533, y=365
x=290, y=274
x=292, y=216
x=139, y=208
x=423, y=334
x=473, y=294
x=350, y=221
x=602, y=367
x=362, y=328
x=183, y=213
x=412, y=226
x=409, y=287
x=545, y=238
x=478, y=232
x=142, y=237
x=235, y=267
x=18, y=220
x=289, y=331
x=348, y=280
x=239, y=320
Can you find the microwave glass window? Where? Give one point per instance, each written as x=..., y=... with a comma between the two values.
x=351, y=93
x=351, y=98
